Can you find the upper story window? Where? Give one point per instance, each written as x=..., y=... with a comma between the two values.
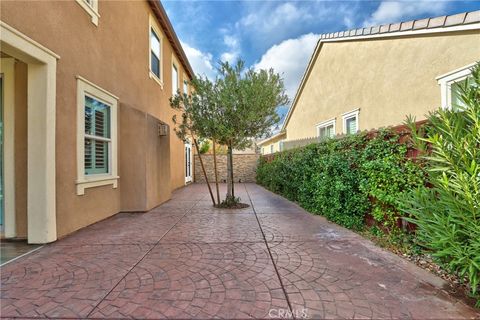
x=271, y=148
x=174, y=79
x=91, y=7
x=350, y=122
x=185, y=86
x=326, y=129
x=155, y=54
x=96, y=136
x=451, y=87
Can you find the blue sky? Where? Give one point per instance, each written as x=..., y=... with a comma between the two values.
x=282, y=34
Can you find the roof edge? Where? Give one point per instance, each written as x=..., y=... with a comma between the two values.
x=164, y=21
x=276, y=135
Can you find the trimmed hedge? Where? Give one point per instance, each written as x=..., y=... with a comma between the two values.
x=347, y=178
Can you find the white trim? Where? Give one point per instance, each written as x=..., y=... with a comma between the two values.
x=326, y=124
x=446, y=80
x=187, y=144
x=7, y=68
x=92, y=10
x=41, y=101
x=349, y=115
x=152, y=24
x=85, y=87
x=175, y=65
x=318, y=47
x=276, y=135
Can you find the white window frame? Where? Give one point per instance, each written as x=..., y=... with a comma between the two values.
x=446, y=80
x=85, y=87
x=185, y=84
x=91, y=8
x=153, y=25
x=348, y=115
x=325, y=124
x=176, y=65
x=271, y=148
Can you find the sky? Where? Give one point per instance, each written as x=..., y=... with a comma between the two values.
x=282, y=34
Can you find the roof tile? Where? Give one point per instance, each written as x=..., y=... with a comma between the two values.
x=407, y=25
x=472, y=17
x=375, y=29
x=420, y=24
x=437, y=22
x=384, y=28
x=455, y=19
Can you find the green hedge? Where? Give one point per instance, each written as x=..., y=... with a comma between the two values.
x=345, y=179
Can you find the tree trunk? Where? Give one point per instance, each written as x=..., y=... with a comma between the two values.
x=230, y=187
x=215, y=169
x=204, y=172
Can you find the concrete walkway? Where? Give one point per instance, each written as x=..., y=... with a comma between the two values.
x=185, y=259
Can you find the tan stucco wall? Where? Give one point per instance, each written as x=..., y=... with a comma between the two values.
x=115, y=56
x=265, y=148
x=387, y=79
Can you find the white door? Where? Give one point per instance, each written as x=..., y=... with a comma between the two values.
x=188, y=162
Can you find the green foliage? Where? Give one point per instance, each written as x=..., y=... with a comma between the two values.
x=205, y=146
x=344, y=179
x=448, y=213
x=388, y=174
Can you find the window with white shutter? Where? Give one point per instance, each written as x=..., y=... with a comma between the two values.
x=326, y=129
x=155, y=54
x=97, y=136
x=451, y=85
x=350, y=122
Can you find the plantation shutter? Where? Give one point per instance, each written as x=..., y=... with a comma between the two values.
x=351, y=125
x=97, y=136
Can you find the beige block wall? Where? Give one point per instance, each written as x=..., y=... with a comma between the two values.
x=387, y=79
x=115, y=56
x=244, y=167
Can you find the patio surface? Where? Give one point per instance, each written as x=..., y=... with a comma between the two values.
x=185, y=259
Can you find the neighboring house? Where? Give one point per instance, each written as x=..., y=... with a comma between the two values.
x=86, y=127
x=374, y=77
x=272, y=144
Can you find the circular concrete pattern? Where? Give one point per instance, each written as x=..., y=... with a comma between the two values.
x=198, y=281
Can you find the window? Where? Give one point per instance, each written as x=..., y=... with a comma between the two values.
x=96, y=136
x=154, y=53
x=263, y=150
x=185, y=86
x=326, y=129
x=280, y=146
x=91, y=7
x=350, y=122
x=271, y=148
x=450, y=87
x=174, y=79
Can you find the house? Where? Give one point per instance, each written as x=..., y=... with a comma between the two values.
x=273, y=143
x=374, y=77
x=86, y=127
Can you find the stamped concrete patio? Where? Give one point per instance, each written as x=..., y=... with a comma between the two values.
x=185, y=259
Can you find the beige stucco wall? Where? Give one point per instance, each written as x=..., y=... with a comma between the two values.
x=387, y=79
x=265, y=148
x=115, y=56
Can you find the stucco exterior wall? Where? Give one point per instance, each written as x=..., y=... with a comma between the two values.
x=266, y=147
x=387, y=79
x=115, y=56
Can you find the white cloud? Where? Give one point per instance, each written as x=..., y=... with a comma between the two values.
x=201, y=61
x=233, y=45
x=391, y=12
x=289, y=58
